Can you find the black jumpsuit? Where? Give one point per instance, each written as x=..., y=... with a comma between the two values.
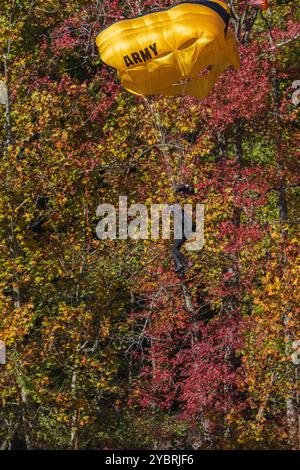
x=181, y=261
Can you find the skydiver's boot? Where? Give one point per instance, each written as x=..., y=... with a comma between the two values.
x=181, y=264
x=178, y=267
x=184, y=270
x=177, y=255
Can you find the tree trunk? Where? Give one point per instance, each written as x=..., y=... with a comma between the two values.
x=75, y=414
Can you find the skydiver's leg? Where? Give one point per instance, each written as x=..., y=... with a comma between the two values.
x=180, y=260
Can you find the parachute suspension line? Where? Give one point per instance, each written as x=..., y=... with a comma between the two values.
x=161, y=144
x=184, y=147
x=164, y=145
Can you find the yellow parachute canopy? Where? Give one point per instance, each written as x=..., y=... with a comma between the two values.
x=180, y=50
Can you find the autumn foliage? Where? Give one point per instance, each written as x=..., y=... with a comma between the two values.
x=103, y=337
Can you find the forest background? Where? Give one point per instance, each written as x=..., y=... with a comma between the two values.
x=106, y=347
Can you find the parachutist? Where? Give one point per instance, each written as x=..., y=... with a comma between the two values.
x=170, y=52
x=182, y=264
